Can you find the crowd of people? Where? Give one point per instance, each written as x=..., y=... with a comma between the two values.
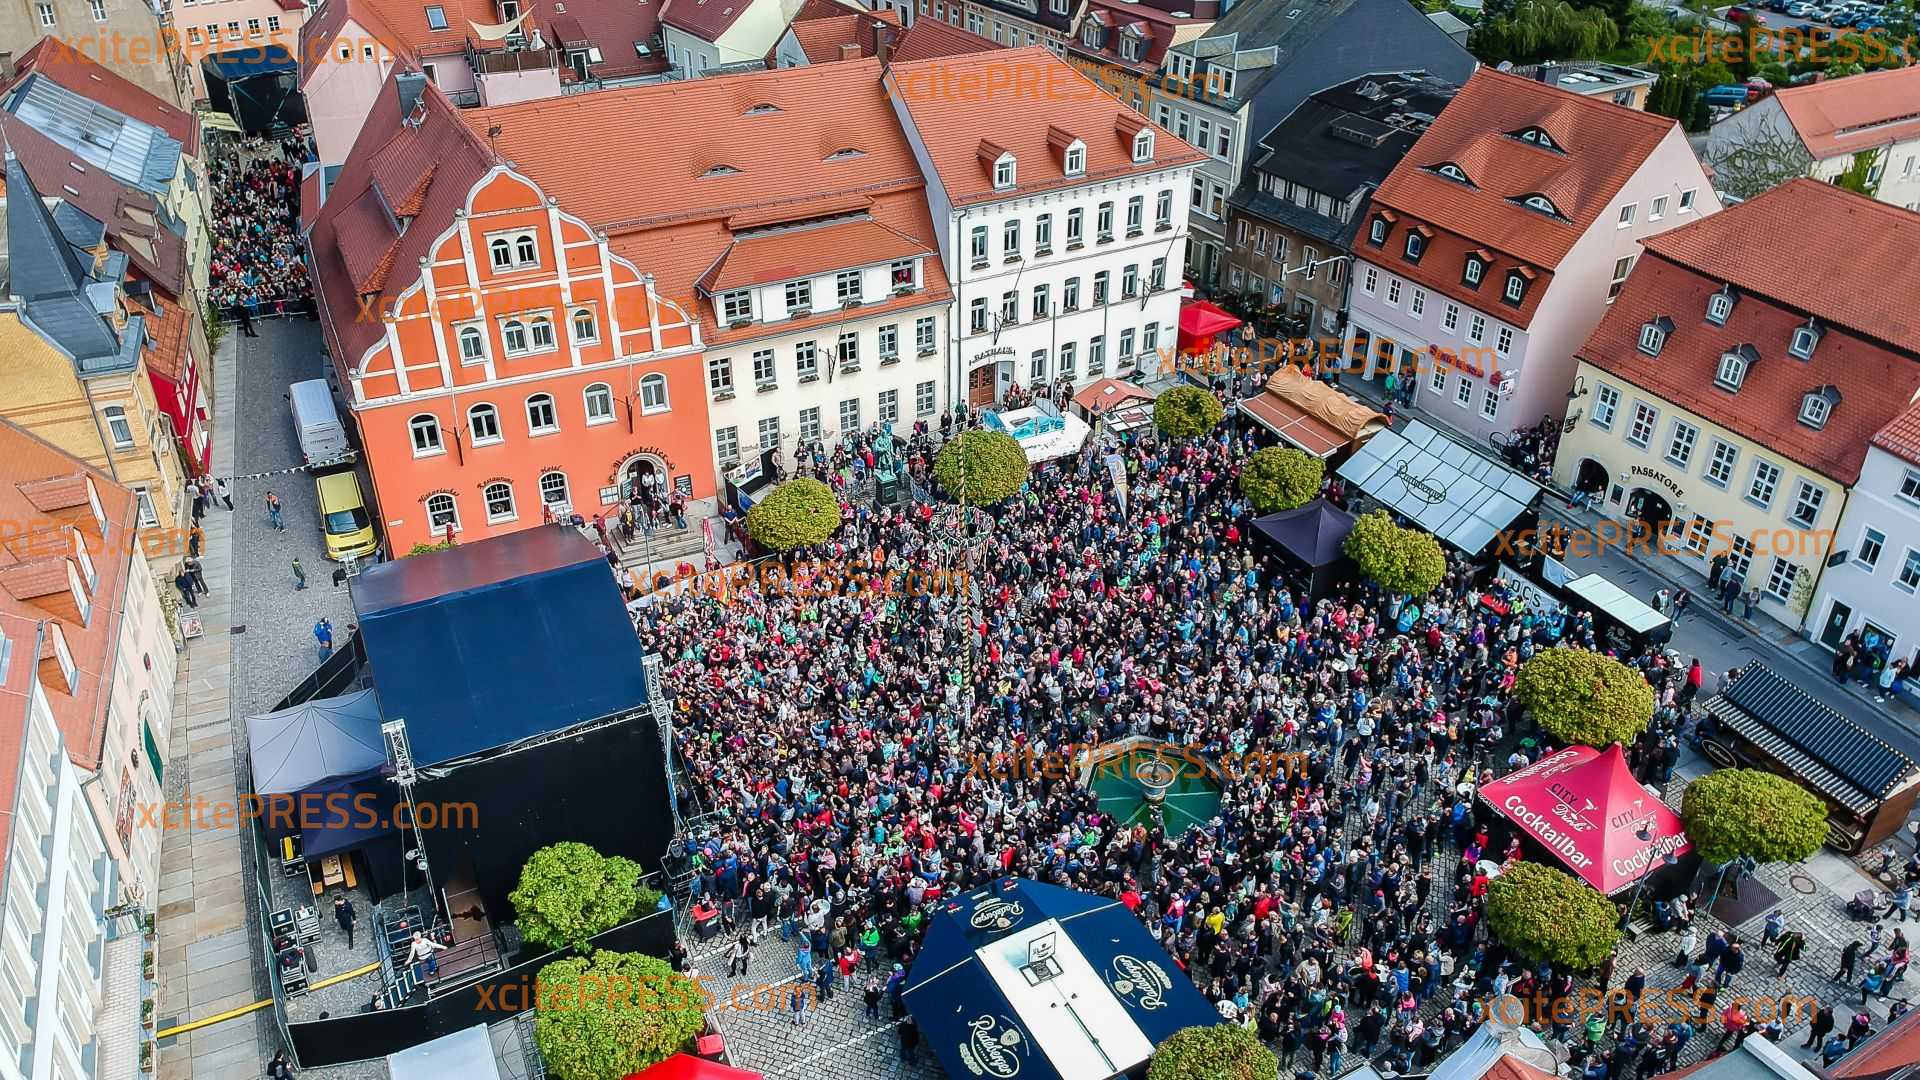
x=259, y=265
x=1338, y=908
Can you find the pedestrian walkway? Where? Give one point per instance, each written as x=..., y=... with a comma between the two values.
x=206, y=958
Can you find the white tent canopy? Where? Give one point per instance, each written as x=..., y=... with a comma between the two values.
x=463, y=1055
x=1449, y=489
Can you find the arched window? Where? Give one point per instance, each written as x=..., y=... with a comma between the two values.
x=483, y=422
x=540, y=415
x=653, y=394
x=499, y=499
x=501, y=251
x=426, y=434
x=514, y=334
x=553, y=487
x=526, y=250
x=599, y=403
x=542, y=332
x=584, y=327
x=442, y=515
x=473, y=343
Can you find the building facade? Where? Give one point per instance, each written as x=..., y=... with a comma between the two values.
x=1727, y=403
x=205, y=29
x=702, y=38
x=1872, y=591
x=1829, y=124
x=1492, y=250
x=1063, y=227
x=125, y=35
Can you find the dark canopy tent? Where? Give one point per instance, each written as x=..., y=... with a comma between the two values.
x=1020, y=979
x=258, y=86
x=1311, y=539
x=320, y=768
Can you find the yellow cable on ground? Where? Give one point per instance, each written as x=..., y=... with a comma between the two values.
x=243, y=1010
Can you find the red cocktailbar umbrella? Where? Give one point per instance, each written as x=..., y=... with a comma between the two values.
x=688, y=1067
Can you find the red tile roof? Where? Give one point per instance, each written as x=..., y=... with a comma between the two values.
x=67, y=67
x=1109, y=393
x=1604, y=144
x=1841, y=116
x=616, y=26
x=1851, y=257
x=1901, y=438
x=1886, y=1054
x=1158, y=29
x=801, y=251
x=1876, y=381
x=43, y=537
x=705, y=19
x=1014, y=96
x=929, y=39
x=821, y=39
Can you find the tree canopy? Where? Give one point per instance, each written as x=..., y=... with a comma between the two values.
x=1546, y=915
x=1281, y=478
x=1736, y=812
x=1537, y=30
x=1218, y=1052
x=1397, y=559
x=1185, y=411
x=613, y=1015
x=799, y=513
x=981, y=468
x=1581, y=696
x=569, y=892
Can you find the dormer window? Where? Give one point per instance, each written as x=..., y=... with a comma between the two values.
x=1537, y=137
x=1453, y=172
x=1003, y=171
x=1092, y=35
x=1143, y=146
x=1652, y=338
x=1817, y=406
x=720, y=170
x=844, y=153
x=1733, y=368
x=1416, y=246
x=1377, y=232
x=1719, y=307
x=1076, y=160
x=1476, y=269
x=1805, y=340
x=762, y=109
x=1516, y=287
x=736, y=306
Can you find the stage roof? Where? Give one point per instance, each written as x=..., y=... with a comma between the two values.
x=489, y=643
x=1023, y=979
x=1460, y=496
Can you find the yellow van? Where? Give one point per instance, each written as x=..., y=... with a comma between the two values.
x=343, y=513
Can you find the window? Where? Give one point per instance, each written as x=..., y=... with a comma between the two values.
x=850, y=416
x=1125, y=346
x=426, y=435
x=1076, y=161
x=1910, y=486
x=923, y=399
x=1037, y=371
x=1163, y=210
x=1416, y=246
x=736, y=306
x=720, y=375
x=483, y=425
x=810, y=424
x=118, y=429
x=1070, y=294
x=1009, y=307
x=889, y=342
x=1096, y=354
x=923, y=335
x=979, y=248
x=1489, y=402
x=846, y=287
x=653, y=394
x=1658, y=210
x=442, y=515
x=1804, y=339
x=1720, y=464
x=1076, y=226
x=1626, y=215
x=1640, y=431
x=1719, y=306
x=540, y=329
x=1417, y=304
x=1621, y=267
x=847, y=350
x=1477, y=329
x=1043, y=234
x=1100, y=287
x=1451, y=317
x=799, y=296
x=1003, y=172
x=1103, y=226
x=100, y=15
x=1807, y=499
x=47, y=19
x=499, y=500
x=1909, y=577
x=436, y=17
x=1143, y=146
x=1437, y=379
x=1463, y=393
x=513, y=251
x=193, y=35
x=1157, y=276
x=726, y=446
x=769, y=430
x=1130, y=280
x=540, y=415
x=98, y=9
x=1010, y=239
x=1040, y=302
x=763, y=370
x=1732, y=370
x=473, y=345
x=1069, y=360
x=1606, y=405
x=1781, y=578
x=553, y=488
x=889, y=406
x=1680, y=443
x=1872, y=542
x=149, y=517
x=1393, y=291
x=1150, y=338
x=1686, y=200
x=1370, y=281
x=1516, y=288
x=977, y=315
x=1814, y=410
x=1766, y=479
x=1475, y=270
x=1651, y=338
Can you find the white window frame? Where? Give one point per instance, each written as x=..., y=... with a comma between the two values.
x=1721, y=462
x=1606, y=407
x=492, y=418
x=534, y=426
x=452, y=513
x=1774, y=473
x=516, y=243
x=423, y=430
x=498, y=517
x=598, y=392
x=650, y=402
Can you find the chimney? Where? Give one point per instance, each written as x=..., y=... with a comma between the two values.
x=1548, y=73
x=883, y=42
x=411, y=86
x=849, y=52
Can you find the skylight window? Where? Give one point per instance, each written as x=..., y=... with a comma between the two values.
x=1537, y=137
x=1453, y=172
x=762, y=109
x=436, y=17
x=720, y=170
x=846, y=152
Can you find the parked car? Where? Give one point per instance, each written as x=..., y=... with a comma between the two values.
x=1800, y=9
x=344, y=517
x=1727, y=96
x=1842, y=19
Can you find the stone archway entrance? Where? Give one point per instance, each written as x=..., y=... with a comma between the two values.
x=644, y=472
x=1648, y=512
x=1592, y=477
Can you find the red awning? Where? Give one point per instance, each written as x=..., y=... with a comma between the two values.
x=1585, y=806
x=1199, y=322
x=688, y=1067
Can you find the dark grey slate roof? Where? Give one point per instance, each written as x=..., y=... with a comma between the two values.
x=1783, y=713
x=1293, y=216
x=62, y=296
x=1323, y=144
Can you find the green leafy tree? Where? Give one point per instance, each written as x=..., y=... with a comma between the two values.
x=1218, y=1052
x=613, y=1015
x=980, y=468
x=1399, y=560
x=1856, y=178
x=799, y=513
x=1735, y=812
x=1186, y=411
x=569, y=892
x=1546, y=915
x=1580, y=696
x=1280, y=478
x=1537, y=30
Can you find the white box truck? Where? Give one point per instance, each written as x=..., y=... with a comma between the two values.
x=323, y=439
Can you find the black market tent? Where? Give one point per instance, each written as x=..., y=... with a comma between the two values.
x=1023, y=980
x=322, y=742
x=1312, y=539
x=258, y=85
x=1451, y=490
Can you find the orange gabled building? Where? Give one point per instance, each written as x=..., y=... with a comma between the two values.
x=502, y=363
